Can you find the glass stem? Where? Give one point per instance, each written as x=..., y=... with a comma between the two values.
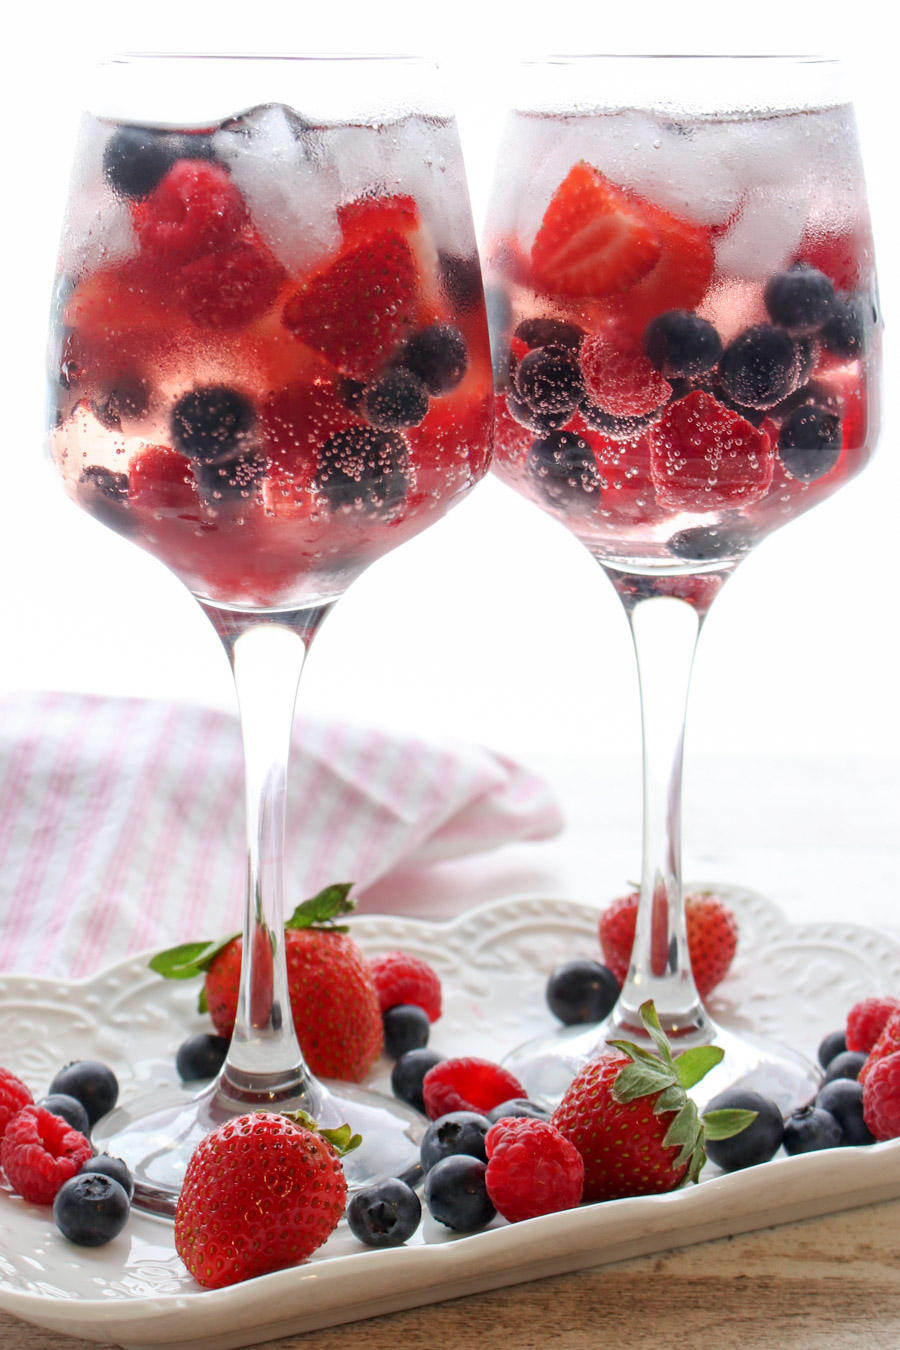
x=665, y=631
x=267, y=654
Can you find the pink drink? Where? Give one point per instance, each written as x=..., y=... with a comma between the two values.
x=684, y=324
x=269, y=362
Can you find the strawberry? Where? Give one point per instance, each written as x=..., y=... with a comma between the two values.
x=402, y=978
x=161, y=480
x=357, y=308
x=194, y=210
x=594, y=239
x=468, y=1084
x=629, y=1116
x=230, y=288
x=712, y=934
x=705, y=457
x=367, y=216
x=888, y=1043
x=867, y=1019
x=333, y=998
x=619, y=378
x=682, y=273
x=261, y=1192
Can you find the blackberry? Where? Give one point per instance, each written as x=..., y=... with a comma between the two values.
x=90, y=1209
x=200, y=1056
x=810, y=442
x=847, y=333
x=70, y=1108
x=406, y=1027
x=581, y=990
x=681, y=344
x=456, y=1194
x=563, y=467
x=835, y=1043
x=800, y=299
x=398, y=399
x=128, y=398
x=456, y=1132
x=111, y=1167
x=135, y=159
x=549, y=380
x=755, y=1144
x=93, y=1084
x=213, y=424
x=437, y=356
x=845, y=1065
x=759, y=368
x=809, y=1130
x=550, y=333
x=843, y=1099
x=364, y=466
x=384, y=1215
x=408, y=1073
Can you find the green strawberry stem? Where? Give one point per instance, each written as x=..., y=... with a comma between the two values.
x=341, y=1138
x=670, y=1077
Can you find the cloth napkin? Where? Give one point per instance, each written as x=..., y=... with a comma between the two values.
x=122, y=821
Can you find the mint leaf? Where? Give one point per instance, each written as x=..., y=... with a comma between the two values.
x=692, y=1065
x=189, y=959
x=726, y=1123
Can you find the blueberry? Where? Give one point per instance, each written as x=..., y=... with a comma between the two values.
x=230, y=478
x=550, y=333
x=456, y=1194
x=581, y=990
x=835, y=1043
x=708, y=543
x=212, y=424
x=437, y=356
x=526, y=416
x=843, y=1099
x=515, y=1107
x=90, y=1209
x=680, y=343
x=614, y=428
x=408, y=1073
x=111, y=1167
x=809, y=1130
x=361, y=465
x=759, y=367
x=398, y=399
x=200, y=1057
x=461, y=280
x=456, y=1132
x=136, y=158
x=104, y=493
x=755, y=1144
x=800, y=299
x=845, y=1065
x=128, y=398
x=549, y=380
x=810, y=442
x=847, y=332
x=406, y=1027
x=70, y=1108
x=91, y=1083
x=562, y=465
x=384, y=1215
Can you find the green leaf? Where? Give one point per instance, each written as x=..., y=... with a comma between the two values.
x=342, y=1140
x=692, y=1065
x=650, y=1019
x=671, y=1099
x=638, y=1053
x=727, y=1123
x=188, y=960
x=202, y=1000
x=324, y=908
x=640, y=1080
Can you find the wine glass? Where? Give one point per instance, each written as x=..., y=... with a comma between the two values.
x=686, y=342
x=269, y=366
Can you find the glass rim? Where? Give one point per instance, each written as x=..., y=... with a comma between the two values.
x=805, y=58
x=130, y=57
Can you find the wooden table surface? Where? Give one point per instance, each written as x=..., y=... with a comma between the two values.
x=832, y=1281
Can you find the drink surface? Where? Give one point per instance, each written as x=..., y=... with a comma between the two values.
x=269, y=360
x=684, y=325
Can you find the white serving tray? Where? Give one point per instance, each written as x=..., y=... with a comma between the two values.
x=792, y=983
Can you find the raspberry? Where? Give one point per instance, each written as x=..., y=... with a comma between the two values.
x=532, y=1169
x=881, y=1098
x=229, y=289
x=40, y=1151
x=888, y=1043
x=866, y=1021
x=469, y=1084
x=401, y=978
x=193, y=211
x=621, y=380
x=13, y=1096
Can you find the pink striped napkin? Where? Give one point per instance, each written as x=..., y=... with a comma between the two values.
x=122, y=825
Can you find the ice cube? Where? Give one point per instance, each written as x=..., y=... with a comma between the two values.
x=424, y=160
x=97, y=229
x=292, y=198
x=764, y=237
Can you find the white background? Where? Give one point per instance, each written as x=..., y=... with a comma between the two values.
x=495, y=625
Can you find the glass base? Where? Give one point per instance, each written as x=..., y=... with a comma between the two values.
x=546, y=1066
x=156, y=1135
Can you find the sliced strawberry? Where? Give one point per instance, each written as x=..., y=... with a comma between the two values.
x=357, y=308
x=682, y=273
x=367, y=216
x=619, y=378
x=230, y=288
x=161, y=480
x=194, y=210
x=594, y=240
x=704, y=456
